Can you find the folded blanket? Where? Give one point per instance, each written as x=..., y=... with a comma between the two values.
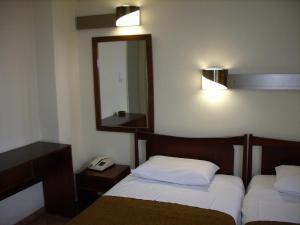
x=109, y=210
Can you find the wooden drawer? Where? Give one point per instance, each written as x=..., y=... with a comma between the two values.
x=94, y=183
x=101, y=181
x=16, y=176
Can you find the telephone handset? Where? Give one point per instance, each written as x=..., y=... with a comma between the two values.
x=101, y=163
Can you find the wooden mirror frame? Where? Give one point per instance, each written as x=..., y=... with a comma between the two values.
x=150, y=111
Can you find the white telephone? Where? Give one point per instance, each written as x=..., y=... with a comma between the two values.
x=101, y=163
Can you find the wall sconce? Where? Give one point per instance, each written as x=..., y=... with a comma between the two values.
x=127, y=16
x=214, y=78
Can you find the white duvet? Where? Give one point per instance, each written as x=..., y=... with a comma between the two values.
x=225, y=193
x=264, y=203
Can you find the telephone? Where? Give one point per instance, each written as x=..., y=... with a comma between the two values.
x=101, y=163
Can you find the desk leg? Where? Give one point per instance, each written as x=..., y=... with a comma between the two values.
x=59, y=190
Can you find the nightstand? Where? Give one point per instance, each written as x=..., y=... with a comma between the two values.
x=91, y=184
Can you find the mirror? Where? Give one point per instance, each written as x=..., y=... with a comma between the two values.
x=123, y=83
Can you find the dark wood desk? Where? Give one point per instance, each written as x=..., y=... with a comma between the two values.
x=41, y=161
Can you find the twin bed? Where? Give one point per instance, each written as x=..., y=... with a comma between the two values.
x=139, y=201
x=263, y=202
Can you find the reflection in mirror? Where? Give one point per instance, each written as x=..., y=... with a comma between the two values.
x=123, y=83
x=123, y=72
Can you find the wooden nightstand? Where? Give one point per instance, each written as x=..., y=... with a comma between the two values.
x=92, y=184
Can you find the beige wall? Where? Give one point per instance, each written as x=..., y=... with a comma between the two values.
x=45, y=69
x=244, y=36
x=67, y=77
x=19, y=108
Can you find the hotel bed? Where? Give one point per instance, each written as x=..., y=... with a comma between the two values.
x=263, y=203
x=139, y=201
x=224, y=194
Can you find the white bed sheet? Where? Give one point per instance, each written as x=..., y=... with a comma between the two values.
x=225, y=193
x=264, y=203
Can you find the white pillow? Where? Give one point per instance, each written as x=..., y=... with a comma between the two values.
x=288, y=179
x=177, y=170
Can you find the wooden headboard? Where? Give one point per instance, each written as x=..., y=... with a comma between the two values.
x=275, y=152
x=217, y=150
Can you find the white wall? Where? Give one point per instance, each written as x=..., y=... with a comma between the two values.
x=67, y=78
x=19, y=111
x=244, y=36
x=18, y=87
x=45, y=69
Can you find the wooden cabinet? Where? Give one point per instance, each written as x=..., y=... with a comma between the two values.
x=92, y=184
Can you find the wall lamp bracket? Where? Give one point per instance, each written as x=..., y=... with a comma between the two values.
x=125, y=16
x=214, y=78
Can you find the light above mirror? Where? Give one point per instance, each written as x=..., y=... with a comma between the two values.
x=127, y=16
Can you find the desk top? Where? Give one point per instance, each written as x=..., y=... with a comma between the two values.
x=27, y=153
x=110, y=173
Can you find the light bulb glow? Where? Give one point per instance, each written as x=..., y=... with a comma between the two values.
x=131, y=19
x=211, y=85
x=214, y=68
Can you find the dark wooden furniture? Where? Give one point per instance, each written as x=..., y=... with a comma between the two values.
x=95, y=21
x=101, y=124
x=91, y=184
x=275, y=152
x=217, y=150
x=40, y=161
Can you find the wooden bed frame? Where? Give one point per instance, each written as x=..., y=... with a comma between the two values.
x=217, y=150
x=275, y=152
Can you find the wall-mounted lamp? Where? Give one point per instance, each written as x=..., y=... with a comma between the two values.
x=127, y=16
x=214, y=78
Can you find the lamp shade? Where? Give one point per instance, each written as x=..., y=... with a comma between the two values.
x=127, y=16
x=214, y=78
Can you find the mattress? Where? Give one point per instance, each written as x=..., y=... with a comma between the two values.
x=264, y=203
x=225, y=193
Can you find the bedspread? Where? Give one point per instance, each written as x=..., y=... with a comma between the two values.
x=111, y=210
